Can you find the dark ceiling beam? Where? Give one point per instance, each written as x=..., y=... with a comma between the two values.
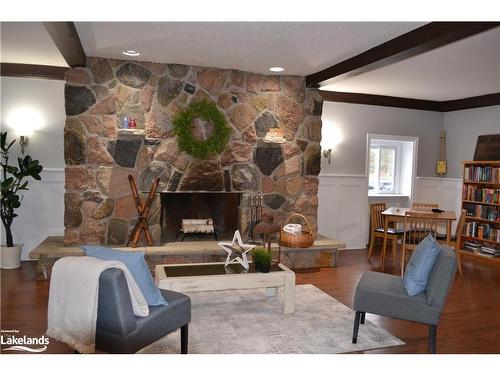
x=415, y=42
x=33, y=71
x=472, y=102
x=425, y=105
x=66, y=39
x=380, y=100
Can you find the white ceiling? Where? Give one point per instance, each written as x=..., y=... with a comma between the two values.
x=300, y=47
x=466, y=68
x=28, y=43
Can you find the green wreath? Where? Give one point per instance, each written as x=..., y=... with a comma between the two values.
x=201, y=149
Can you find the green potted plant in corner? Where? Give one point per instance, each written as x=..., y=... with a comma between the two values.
x=261, y=259
x=13, y=183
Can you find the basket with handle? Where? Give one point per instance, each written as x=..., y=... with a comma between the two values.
x=306, y=239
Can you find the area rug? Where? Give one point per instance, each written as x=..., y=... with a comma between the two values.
x=246, y=321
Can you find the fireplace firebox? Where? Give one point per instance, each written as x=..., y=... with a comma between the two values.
x=222, y=207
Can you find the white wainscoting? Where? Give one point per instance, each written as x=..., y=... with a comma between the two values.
x=446, y=192
x=42, y=211
x=343, y=209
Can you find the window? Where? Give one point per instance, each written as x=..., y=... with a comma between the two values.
x=390, y=164
x=382, y=169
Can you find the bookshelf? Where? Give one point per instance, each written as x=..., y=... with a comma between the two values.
x=481, y=199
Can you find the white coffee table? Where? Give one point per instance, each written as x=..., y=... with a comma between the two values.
x=197, y=277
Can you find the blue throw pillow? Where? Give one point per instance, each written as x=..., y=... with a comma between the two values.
x=420, y=265
x=136, y=264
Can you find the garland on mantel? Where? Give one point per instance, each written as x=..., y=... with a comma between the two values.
x=201, y=149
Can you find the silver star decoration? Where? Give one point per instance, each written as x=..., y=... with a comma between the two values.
x=236, y=250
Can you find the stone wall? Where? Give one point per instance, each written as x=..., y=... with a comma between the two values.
x=99, y=157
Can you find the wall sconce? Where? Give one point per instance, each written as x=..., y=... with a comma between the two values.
x=23, y=142
x=328, y=154
x=24, y=120
x=330, y=138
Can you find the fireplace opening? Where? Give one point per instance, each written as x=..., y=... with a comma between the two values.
x=222, y=210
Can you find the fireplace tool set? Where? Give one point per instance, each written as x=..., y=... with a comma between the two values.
x=255, y=214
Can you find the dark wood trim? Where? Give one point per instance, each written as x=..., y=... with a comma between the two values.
x=380, y=100
x=425, y=105
x=33, y=71
x=472, y=102
x=66, y=39
x=415, y=42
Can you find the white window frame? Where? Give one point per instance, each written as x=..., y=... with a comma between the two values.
x=392, y=141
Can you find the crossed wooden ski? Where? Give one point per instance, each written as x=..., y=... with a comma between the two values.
x=143, y=211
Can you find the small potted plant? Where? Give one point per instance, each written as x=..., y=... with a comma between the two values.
x=261, y=259
x=13, y=183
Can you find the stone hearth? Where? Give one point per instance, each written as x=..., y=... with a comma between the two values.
x=323, y=253
x=99, y=207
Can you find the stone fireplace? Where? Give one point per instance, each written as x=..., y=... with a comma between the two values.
x=99, y=156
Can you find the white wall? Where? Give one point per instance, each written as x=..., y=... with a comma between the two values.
x=343, y=211
x=462, y=129
x=42, y=211
x=354, y=121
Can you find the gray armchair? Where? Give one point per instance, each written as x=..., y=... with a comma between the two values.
x=120, y=331
x=384, y=294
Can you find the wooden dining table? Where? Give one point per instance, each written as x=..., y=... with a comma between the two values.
x=397, y=214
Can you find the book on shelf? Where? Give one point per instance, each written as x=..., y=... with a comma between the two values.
x=474, y=244
x=480, y=195
x=481, y=231
x=482, y=212
x=492, y=250
x=482, y=173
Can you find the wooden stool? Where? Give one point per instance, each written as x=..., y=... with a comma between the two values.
x=267, y=228
x=143, y=211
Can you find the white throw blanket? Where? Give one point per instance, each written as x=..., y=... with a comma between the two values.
x=73, y=295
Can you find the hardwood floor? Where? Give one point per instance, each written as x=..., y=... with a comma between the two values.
x=470, y=322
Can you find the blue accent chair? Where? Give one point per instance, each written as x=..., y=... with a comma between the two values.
x=384, y=294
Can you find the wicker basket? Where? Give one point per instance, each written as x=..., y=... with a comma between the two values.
x=306, y=239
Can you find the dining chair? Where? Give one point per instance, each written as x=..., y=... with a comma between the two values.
x=457, y=245
x=424, y=206
x=377, y=230
x=417, y=225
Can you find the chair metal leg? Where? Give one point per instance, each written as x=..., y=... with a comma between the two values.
x=184, y=339
x=432, y=338
x=362, y=321
x=356, y=327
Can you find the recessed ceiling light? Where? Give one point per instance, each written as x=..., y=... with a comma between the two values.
x=131, y=52
x=276, y=69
